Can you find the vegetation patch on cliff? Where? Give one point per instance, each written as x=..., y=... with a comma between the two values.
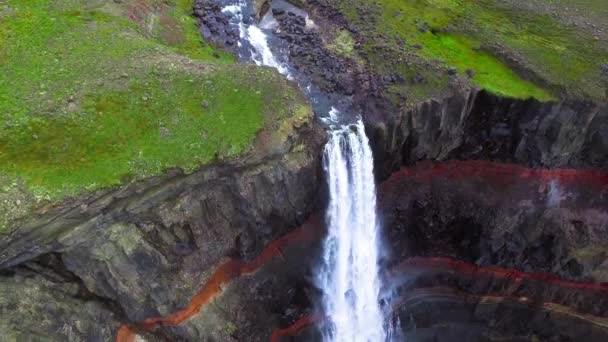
x=98, y=93
x=498, y=45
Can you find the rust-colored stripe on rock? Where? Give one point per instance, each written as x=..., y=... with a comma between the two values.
x=460, y=267
x=496, y=173
x=297, y=326
x=225, y=273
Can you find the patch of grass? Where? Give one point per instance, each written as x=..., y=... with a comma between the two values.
x=466, y=34
x=152, y=124
x=561, y=55
x=89, y=100
x=177, y=28
x=464, y=54
x=343, y=44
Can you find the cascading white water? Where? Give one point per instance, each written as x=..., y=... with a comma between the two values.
x=349, y=275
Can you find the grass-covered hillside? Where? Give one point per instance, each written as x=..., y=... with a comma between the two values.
x=538, y=48
x=94, y=93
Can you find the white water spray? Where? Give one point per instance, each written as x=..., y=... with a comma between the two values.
x=350, y=272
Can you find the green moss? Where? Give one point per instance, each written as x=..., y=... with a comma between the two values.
x=230, y=329
x=464, y=34
x=178, y=28
x=343, y=44
x=90, y=100
x=149, y=126
x=464, y=54
x=561, y=55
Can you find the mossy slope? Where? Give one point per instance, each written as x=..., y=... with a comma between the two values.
x=90, y=99
x=510, y=51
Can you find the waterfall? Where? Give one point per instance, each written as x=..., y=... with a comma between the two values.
x=349, y=275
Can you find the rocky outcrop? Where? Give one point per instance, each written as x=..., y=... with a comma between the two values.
x=492, y=250
x=246, y=300
x=42, y=300
x=551, y=221
x=480, y=250
x=144, y=250
x=215, y=25
x=480, y=125
x=460, y=316
x=330, y=72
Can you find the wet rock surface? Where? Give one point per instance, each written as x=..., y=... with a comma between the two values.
x=452, y=224
x=305, y=41
x=433, y=314
x=308, y=54
x=480, y=251
x=215, y=25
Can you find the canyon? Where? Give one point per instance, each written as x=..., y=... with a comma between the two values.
x=492, y=216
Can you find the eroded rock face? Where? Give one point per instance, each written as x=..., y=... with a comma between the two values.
x=143, y=255
x=450, y=225
x=42, y=300
x=436, y=314
x=272, y=290
x=145, y=250
x=479, y=251
x=487, y=213
x=479, y=125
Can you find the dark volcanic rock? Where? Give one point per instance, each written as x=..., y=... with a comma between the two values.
x=325, y=69
x=147, y=248
x=480, y=125
x=445, y=315
x=215, y=25
x=494, y=214
x=43, y=300
x=499, y=214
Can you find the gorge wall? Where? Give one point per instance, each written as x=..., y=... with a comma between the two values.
x=144, y=250
x=494, y=213
x=477, y=125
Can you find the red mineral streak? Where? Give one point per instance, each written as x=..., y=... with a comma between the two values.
x=497, y=173
x=225, y=273
x=491, y=172
x=297, y=327
x=469, y=298
x=462, y=268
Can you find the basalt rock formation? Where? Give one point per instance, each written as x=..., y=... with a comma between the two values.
x=502, y=236
x=494, y=215
x=480, y=251
x=477, y=125
x=143, y=251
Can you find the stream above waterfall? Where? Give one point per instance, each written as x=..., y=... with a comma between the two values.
x=348, y=275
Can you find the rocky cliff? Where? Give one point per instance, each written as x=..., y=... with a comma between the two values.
x=493, y=211
x=145, y=250
x=478, y=125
